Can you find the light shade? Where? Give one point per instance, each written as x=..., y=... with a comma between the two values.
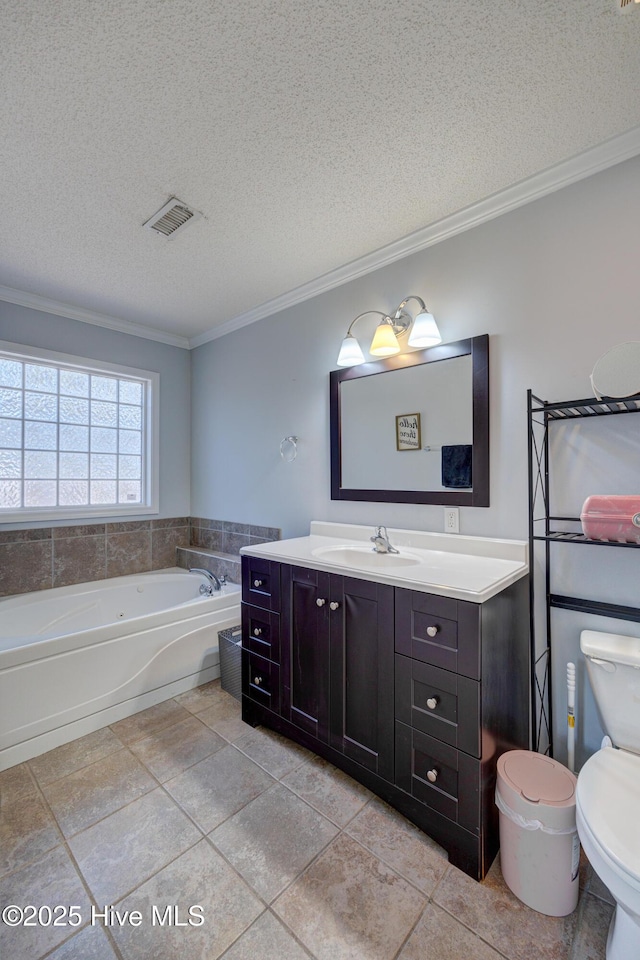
x=384, y=343
x=350, y=353
x=424, y=332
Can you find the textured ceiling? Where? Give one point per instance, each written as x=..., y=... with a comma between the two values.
x=307, y=133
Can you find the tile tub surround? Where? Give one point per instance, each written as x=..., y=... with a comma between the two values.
x=59, y=556
x=215, y=544
x=37, y=559
x=353, y=881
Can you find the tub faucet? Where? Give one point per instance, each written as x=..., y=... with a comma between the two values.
x=381, y=542
x=206, y=589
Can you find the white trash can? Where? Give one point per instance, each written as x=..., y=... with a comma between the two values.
x=539, y=845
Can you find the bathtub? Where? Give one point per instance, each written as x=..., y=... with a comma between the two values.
x=74, y=659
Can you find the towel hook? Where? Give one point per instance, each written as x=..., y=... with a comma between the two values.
x=289, y=449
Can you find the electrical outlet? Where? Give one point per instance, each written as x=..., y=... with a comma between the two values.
x=451, y=520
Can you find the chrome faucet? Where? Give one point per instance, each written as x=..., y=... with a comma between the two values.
x=381, y=542
x=206, y=589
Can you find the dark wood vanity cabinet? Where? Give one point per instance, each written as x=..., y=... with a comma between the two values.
x=337, y=663
x=334, y=637
x=413, y=695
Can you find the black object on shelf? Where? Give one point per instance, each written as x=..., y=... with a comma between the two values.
x=542, y=527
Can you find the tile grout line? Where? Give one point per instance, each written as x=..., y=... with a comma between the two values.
x=340, y=828
x=463, y=924
x=268, y=906
x=84, y=766
x=278, y=920
x=64, y=843
x=580, y=914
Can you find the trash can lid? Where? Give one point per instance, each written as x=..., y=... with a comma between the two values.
x=537, y=778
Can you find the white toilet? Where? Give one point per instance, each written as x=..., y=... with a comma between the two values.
x=608, y=793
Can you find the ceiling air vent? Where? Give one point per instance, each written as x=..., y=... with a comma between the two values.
x=625, y=6
x=172, y=218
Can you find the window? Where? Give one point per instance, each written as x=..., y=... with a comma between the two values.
x=78, y=438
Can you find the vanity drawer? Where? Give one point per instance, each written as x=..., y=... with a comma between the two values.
x=439, y=630
x=261, y=680
x=439, y=703
x=261, y=583
x=439, y=776
x=261, y=631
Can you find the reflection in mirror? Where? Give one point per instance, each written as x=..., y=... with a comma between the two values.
x=370, y=406
x=414, y=428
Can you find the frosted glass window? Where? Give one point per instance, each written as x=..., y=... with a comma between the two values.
x=130, y=441
x=130, y=392
x=39, y=465
x=73, y=492
x=74, y=384
x=40, y=406
x=11, y=433
x=10, y=403
x=129, y=491
x=104, y=467
x=10, y=373
x=74, y=410
x=103, y=491
x=104, y=440
x=10, y=494
x=130, y=468
x=37, y=377
x=104, y=388
x=130, y=417
x=104, y=414
x=40, y=436
x=75, y=437
x=74, y=466
x=40, y=493
x=10, y=464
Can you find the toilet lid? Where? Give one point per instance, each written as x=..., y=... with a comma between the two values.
x=608, y=796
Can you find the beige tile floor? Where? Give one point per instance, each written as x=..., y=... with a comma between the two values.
x=184, y=805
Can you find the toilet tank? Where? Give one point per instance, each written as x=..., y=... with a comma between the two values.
x=613, y=664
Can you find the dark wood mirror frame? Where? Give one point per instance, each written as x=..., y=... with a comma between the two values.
x=478, y=496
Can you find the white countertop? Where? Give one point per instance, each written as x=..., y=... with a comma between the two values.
x=449, y=565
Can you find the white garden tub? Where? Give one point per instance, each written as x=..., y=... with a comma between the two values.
x=73, y=659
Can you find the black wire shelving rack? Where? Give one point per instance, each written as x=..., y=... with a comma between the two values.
x=544, y=527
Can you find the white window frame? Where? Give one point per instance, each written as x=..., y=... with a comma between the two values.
x=150, y=438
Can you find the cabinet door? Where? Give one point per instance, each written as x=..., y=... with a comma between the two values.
x=362, y=652
x=305, y=649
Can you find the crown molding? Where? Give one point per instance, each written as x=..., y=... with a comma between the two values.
x=585, y=164
x=34, y=302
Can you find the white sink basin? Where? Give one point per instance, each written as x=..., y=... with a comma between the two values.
x=365, y=558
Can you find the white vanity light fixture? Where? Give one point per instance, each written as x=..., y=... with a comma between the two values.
x=424, y=333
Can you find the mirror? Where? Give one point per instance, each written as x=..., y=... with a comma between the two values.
x=413, y=428
x=617, y=373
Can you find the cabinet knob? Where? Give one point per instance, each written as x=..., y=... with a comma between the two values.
x=257, y=631
x=257, y=681
x=320, y=602
x=433, y=702
x=258, y=583
x=334, y=605
x=432, y=775
x=432, y=631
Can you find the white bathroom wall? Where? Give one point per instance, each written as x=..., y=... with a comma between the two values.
x=555, y=284
x=20, y=324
